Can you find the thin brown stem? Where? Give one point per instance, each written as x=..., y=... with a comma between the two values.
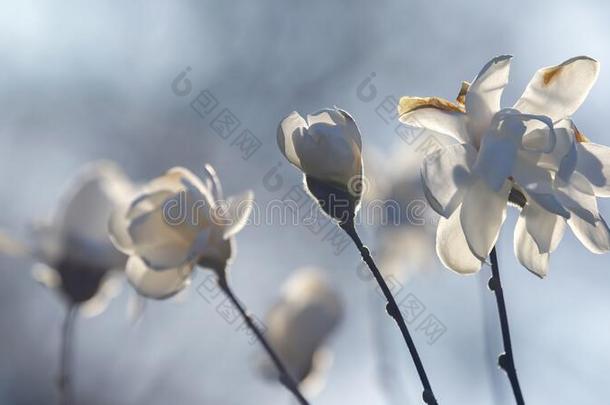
x=506, y=359
x=284, y=377
x=65, y=375
x=393, y=310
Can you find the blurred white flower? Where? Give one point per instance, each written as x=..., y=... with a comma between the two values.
x=327, y=148
x=178, y=222
x=299, y=324
x=401, y=213
x=503, y=155
x=75, y=254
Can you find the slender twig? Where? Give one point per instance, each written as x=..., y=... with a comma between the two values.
x=388, y=374
x=393, y=310
x=64, y=381
x=490, y=332
x=285, y=378
x=506, y=359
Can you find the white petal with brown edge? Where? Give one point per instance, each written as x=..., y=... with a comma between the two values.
x=435, y=114
x=558, y=91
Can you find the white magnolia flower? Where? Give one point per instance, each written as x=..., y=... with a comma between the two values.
x=73, y=249
x=505, y=154
x=327, y=148
x=299, y=324
x=178, y=222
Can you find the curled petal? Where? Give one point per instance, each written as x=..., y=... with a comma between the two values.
x=238, y=209
x=595, y=237
x=435, y=114
x=558, y=91
x=445, y=176
x=212, y=182
x=157, y=284
x=291, y=128
x=452, y=248
x=482, y=214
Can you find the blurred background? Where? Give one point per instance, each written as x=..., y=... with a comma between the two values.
x=83, y=81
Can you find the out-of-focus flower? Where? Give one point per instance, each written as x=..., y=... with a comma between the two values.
x=178, y=222
x=516, y=155
x=327, y=148
x=396, y=203
x=73, y=249
x=299, y=324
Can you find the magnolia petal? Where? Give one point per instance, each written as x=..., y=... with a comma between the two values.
x=212, y=182
x=86, y=208
x=157, y=284
x=558, y=91
x=162, y=243
x=330, y=154
x=593, y=162
x=109, y=288
x=595, y=237
x=527, y=250
x=445, y=176
x=117, y=231
x=482, y=214
x=217, y=252
x=339, y=118
x=578, y=197
x=483, y=96
x=238, y=211
x=452, y=248
x=46, y=275
x=292, y=127
x=538, y=184
x=497, y=155
x=435, y=114
x=545, y=228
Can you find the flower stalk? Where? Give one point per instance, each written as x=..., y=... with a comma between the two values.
x=64, y=381
x=284, y=376
x=393, y=310
x=506, y=359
